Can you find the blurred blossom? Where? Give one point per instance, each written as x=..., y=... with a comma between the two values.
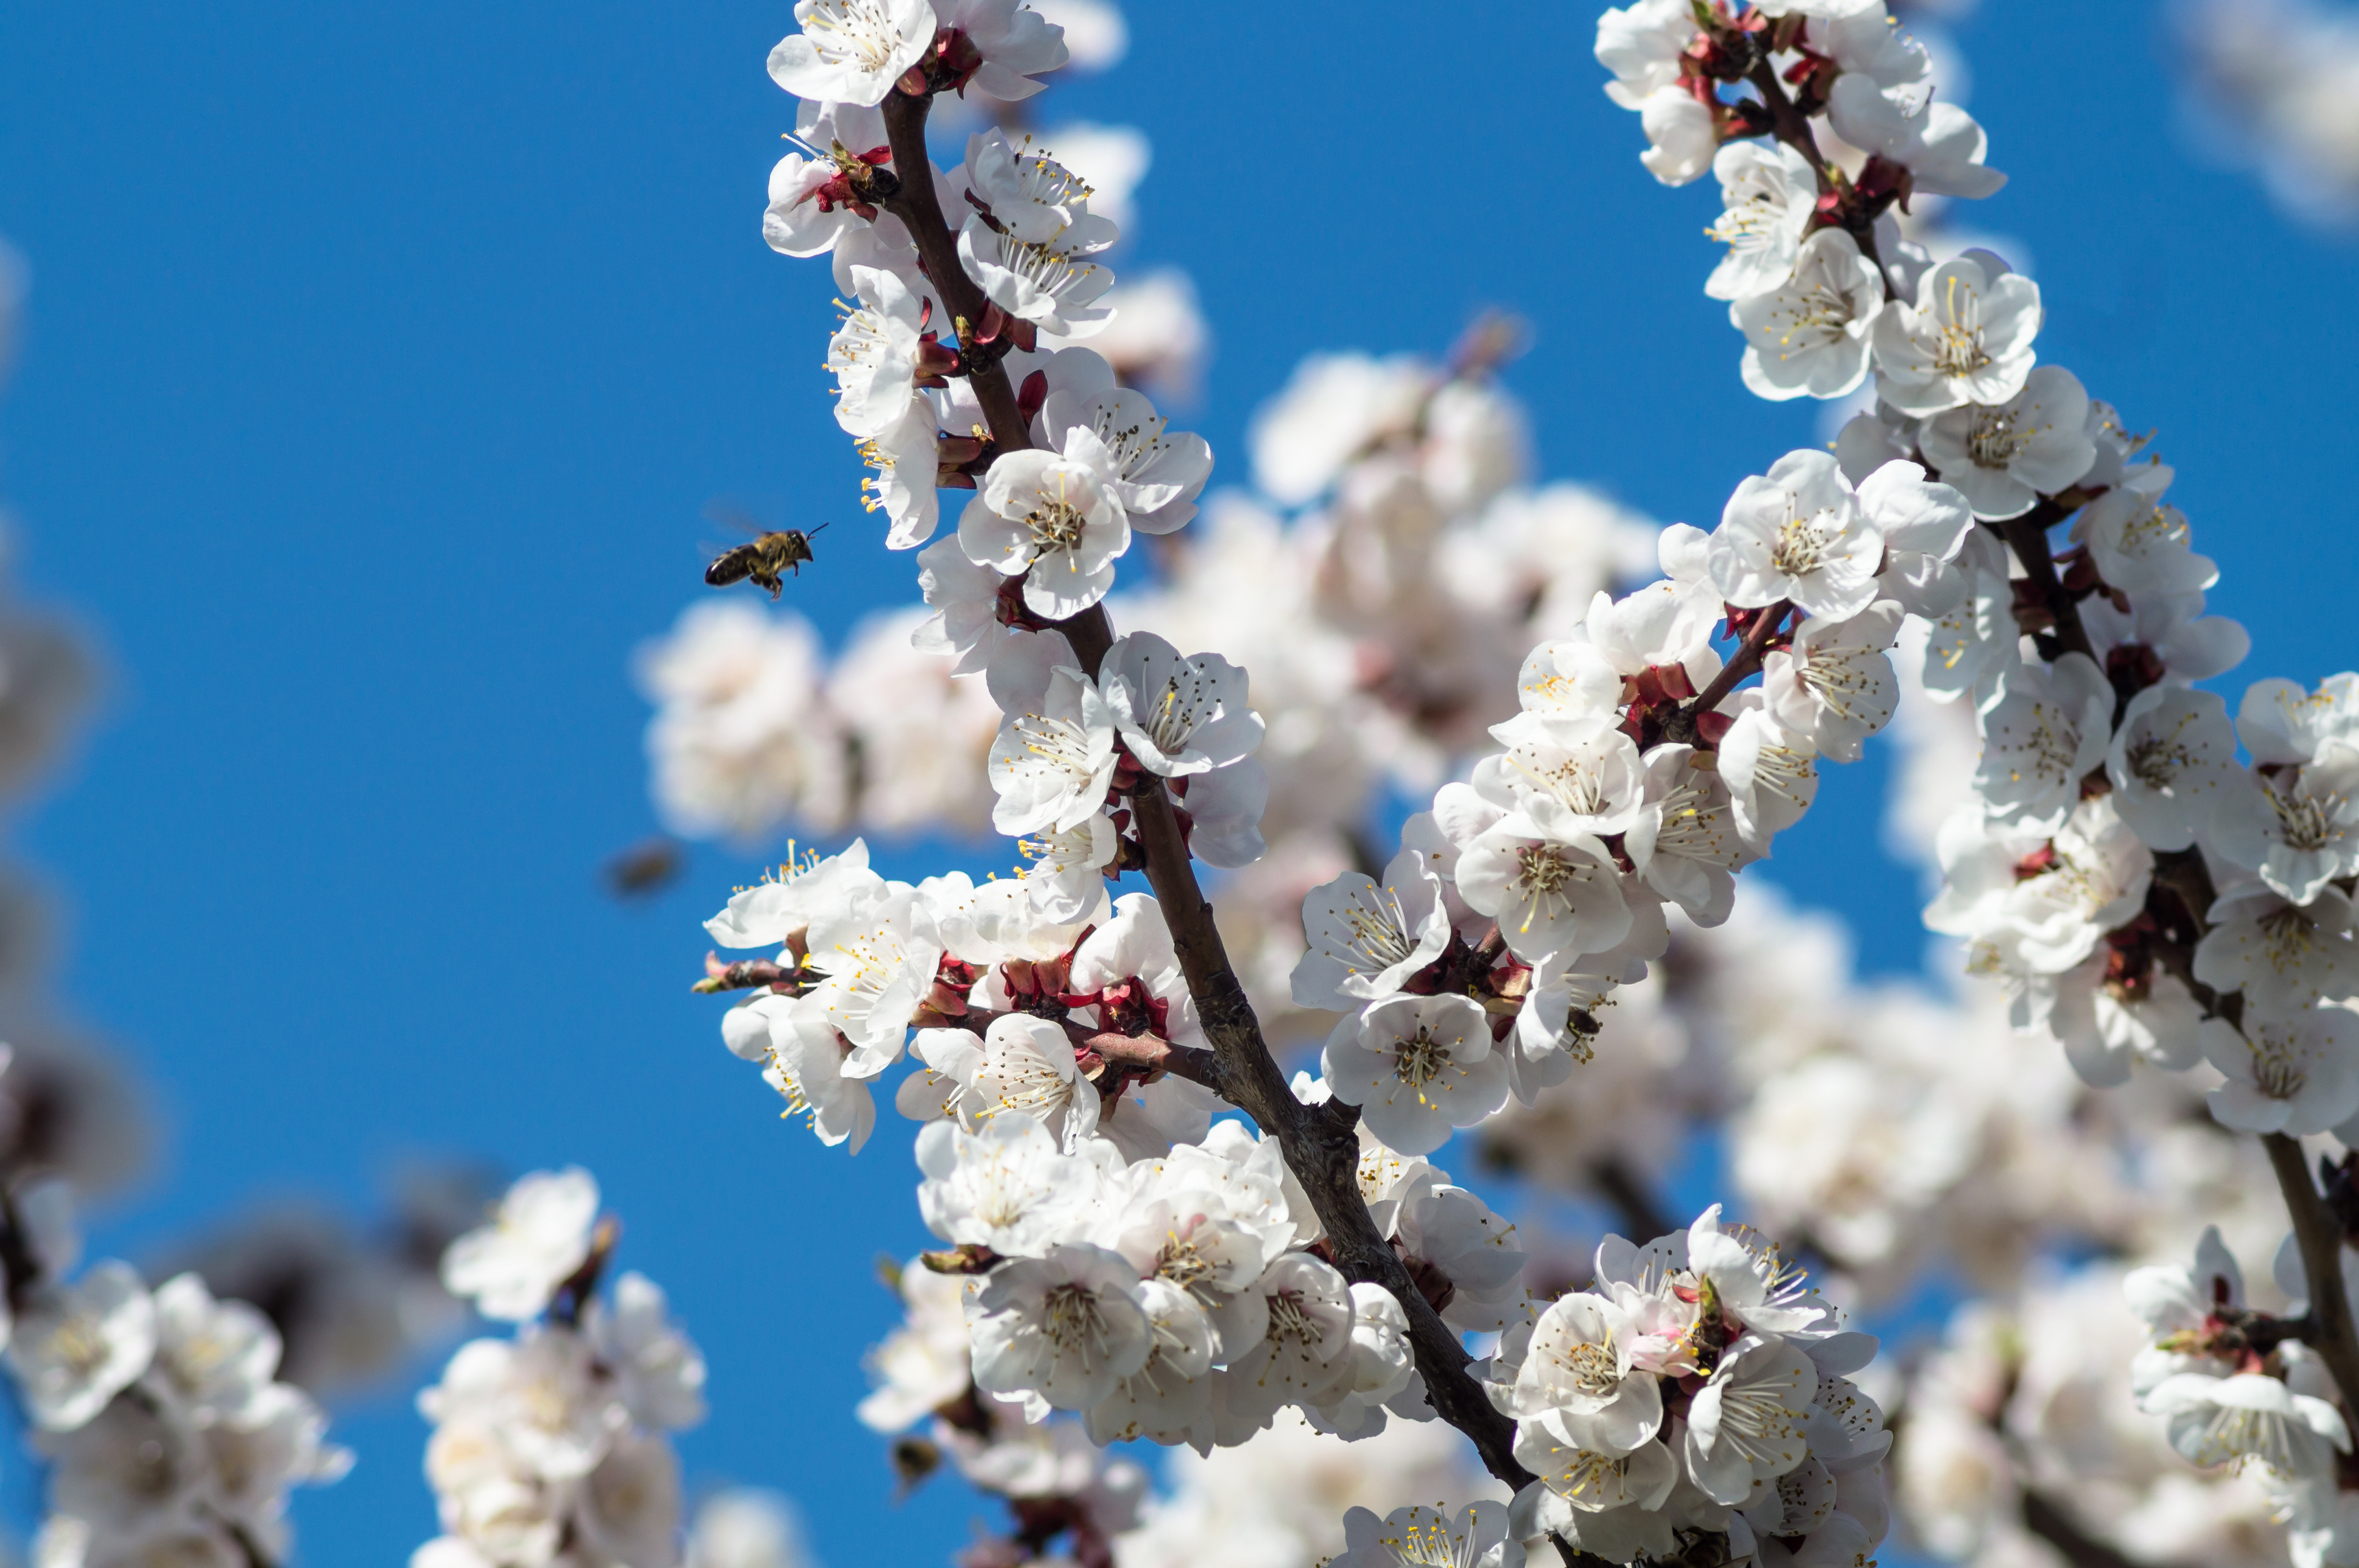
x=2276, y=83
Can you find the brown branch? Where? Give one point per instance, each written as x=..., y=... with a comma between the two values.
x=2027, y=536
x=1317, y=1141
x=1642, y=1218
x=920, y=210
x=2046, y=1518
x=2319, y=1236
x=1745, y=662
x=2317, y=1231
x=1791, y=126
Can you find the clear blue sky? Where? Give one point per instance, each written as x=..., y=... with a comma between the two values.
x=378, y=364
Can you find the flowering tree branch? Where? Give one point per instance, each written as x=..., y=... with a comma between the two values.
x=1318, y=1141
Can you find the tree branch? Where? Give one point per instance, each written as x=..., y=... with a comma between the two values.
x=920, y=211
x=1317, y=1141
x=2044, y=1519
x=1746, y=660
x=2027, y=536
x=2318, y=1233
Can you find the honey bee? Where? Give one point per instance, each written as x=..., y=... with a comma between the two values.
x=764, y=560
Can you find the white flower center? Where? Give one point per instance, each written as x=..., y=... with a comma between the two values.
x=1288, y=1321
x=1042, y=264
x=1995, y=439
x=1071, y=1318
x=1958, y=334
x=1059, y=745
x=2277, y=1060
x=2306, y=822
x=1419, y=1059
x=2156, y=760
x=858, y=31
x=1801, y=547
x=1594, y=1369
x=1840, y=677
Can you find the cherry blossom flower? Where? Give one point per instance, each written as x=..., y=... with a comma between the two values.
x=1684, y=840
x=2280, y=723
x=878, y=953
x=876, y=354
x=1834, y=683
x=1809, y=332
x=1177, y=715
x=2048, y=731
x=905, y=458
x=1453, y=1232
x=1052, y=767
x=1429, y=1538
x=2283, y=956
x=1418, y=1067
x=1051, y=518
x=1797, y=533
x=1966, y=340
x=2170, y=761
x=1681, y=138
x=659, y=1373
x=1007, y=1187
x=2298, y=829
x=1769, y=193
x=213, y=1359
x=773, y=909
x=1308, y=1312
x=1065, y=874
x=1051, y=283
x=1578, y=1367
x=1068, y=1325
x=1156, y=473
x=2003, y=457
x=2217, y=1420
x=2138, y=544
x=1771, y=775
x=539, y=1236
x=1926, y=525
x=1548, y=895
x=810, y=1063
x=1016, y=42
x=1364, y=938
x=1745, y=1424
x=2297, y=1074
x=1971, y=647
x=852, y=51
x=1641, y=45
x=75, y=1347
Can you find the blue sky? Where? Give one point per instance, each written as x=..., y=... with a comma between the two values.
x=378, y=364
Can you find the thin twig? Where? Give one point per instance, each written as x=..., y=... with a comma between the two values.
x=1746, y=660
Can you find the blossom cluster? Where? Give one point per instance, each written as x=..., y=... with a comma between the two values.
x=2142, y=891
x=1697, y=1385
x=553, y=1445
x=168, y=1434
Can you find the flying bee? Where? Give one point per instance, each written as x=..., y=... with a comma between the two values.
x=765, y=560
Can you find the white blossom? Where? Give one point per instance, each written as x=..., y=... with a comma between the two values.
x=2004, y=456
x=1769, y=193
x=1066, y=1325
x=1966, y=340
x=852, y=50
x=536, y=1241
x=1052, y=519
x=1418, y=1067
x=1798, y=534
x=1810, y=334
